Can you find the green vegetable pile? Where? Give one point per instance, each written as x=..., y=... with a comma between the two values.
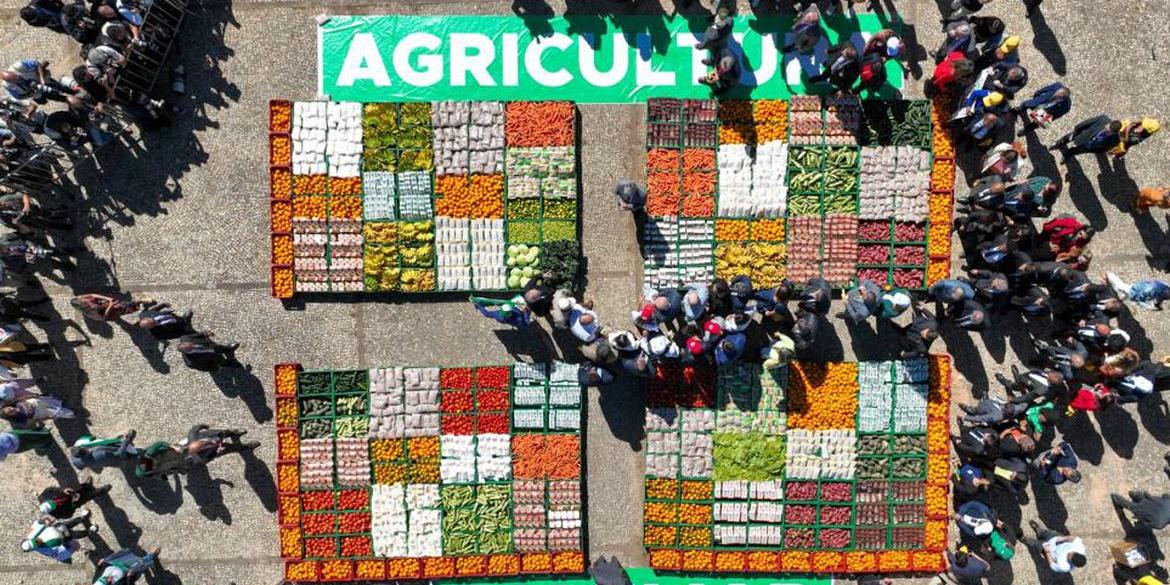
x=352, y=426
x=873, y=445
x=896, y=123
x=313, y=383
x=316, y=429
x=315, y=407
x=349, y=405
x=562, y=264
x=804, y=169
x=395, y=139
x=560, y=208
x=523, y=233
x=909, y=468
x=523, y=263
x=351, y=381
x=916, y=444
x=559, y=230
x=476, y=519
x=523, y=208
x=840, y=204
x=752, y=456
x=842, y=175
x=873, y=468
x=804, y=205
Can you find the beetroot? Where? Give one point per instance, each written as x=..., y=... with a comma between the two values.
x=874, y=230
x=835, y=538
x=908, y=278
x=909, y=232
x=795, y=538
x=800, y=514
x=915, y=255
x=836, y=492
x=800, y=491
x=878, y=275
x=835, y=515
x=873, y=254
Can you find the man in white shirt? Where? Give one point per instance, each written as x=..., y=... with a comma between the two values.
x=1063, y=553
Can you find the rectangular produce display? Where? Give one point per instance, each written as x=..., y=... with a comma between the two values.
x=421, y=197
x=811, y=468
x=771, y=189
x=427, y=473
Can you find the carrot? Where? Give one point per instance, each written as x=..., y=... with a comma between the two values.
x=698, y=184
x=698, y=159
x=663, y=194
x=662, y=159
x=539, y=124
x=698, y=206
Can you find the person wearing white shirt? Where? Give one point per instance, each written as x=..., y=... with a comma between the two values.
x=1063, y=553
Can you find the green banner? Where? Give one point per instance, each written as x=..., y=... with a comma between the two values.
x=587, y=59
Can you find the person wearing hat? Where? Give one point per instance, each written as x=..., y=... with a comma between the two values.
x=914, y=339
x=57, y=539
x=1006, y=78
x=893, y=303
x=63, y=502
x=125, y=567
x=630, y=197
x=1006, y=52
x=725, y=75
x=975, y=519
x=969, y=481
x=884, y=43
x=695, y=301
x=862, y=301
x=1048, y=104
x=1134, y=133
x=1058, y=465
x=986, y=118
x=1152, y=197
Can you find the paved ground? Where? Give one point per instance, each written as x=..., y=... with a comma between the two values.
x=181, y=216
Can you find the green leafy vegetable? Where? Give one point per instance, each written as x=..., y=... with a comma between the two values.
x=751, y=456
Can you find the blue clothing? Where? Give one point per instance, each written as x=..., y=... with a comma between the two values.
x=1050, y=463
x=693, y=312
x=9, y=443
x=857, y=306
x=675, y=306
x=1149, y=293
x=61, y=553
x=1044, y=99
x=944, y=291
x=972, y=514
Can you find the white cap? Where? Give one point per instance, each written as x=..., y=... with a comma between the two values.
x=983, y=528
x=893, y=47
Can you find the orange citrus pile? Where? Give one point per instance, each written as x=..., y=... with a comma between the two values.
x=336, y=570
x=730, y=561
x=860, y=562
x=389, y=473
x=423, y=448
x=937, y=269
x=665, y=559
x=694, y=514
x=698, y=560
x=662, y=488
x=286, y=379
x=942, y=176
x=290, y=444
x=936, y=501
x=894, y=561
x=345, y=207
x=302, y=571
x=279, y=116
x=660, y=512
x=693, y=536
x=698, y=490
x=824, y=562
x=793, y=561
x=386, y=449
x=371, y=569
x=503, y=565
x=769, y=230
x=310, y=207
x=536, y=563
x=763, y=561
x=286, y=412
x=290, y=510
x=731, y=230
x=281, y=216
x=309, y=185
x=660, y=536
x=822, y=396
x=290, y=543
x=281, y=183
x=936, y=535
x=345, y=185
x=286, y=478
x=772, y=111
x=282, y=250
x=475, y=196
x=282, y=283
x=470, y=565
x=438, y=566
x=737, y=134
x=402, y=568
x=568, y=562
x=280, y=150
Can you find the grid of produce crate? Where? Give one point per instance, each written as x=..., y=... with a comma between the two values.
x=419, y=473
x=813, y=468
x=410, y=197
x=831, y=187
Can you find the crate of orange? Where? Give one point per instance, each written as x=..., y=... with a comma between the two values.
x=407, y=568
x=282, y=250
x=282, y=282
x=762, y=561
x=822, y=396
x=291, y=543
x=279, y=150
x=280, y=182
x=894, y=561
x=666, y=559
x=531, y=563
x=309, y=185
x=503, y=565
x=471, y=566
x=302, y=571
x=286, y=379
x=567, y=562
x=698, y=560
x=730, y=561
x=827, y=561
x=281, y=217
x=795, y=561
x=279, y=116
x=860, y=562
x=372, y=569
x=438, y=567
x=337, y=570
x=288, y=445
x=927, y=562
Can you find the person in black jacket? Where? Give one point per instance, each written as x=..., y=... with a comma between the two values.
x=914, y=339
x=163, y=324
x=201, y=353
x=842, y=68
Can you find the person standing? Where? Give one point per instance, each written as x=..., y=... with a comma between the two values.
x=725, y=75
x=163, y=324
x=1063, y=553
x=32, y=412
x=1148, y=294
x=202, y=353
x=1152, y=197
x=63, y=502
x=1058, y=465
x=125, y=567
x=862, y=301
x=630, y=197
x=57, y=539
x=806, y=31
x=21, y=440
x=717, y=34
x=842, y=68
x=104, y=308
x=97, y=454
x=1150, y=511
x=1048, y=104
x=914, y=339
x=966, y=567
x=1100, y=134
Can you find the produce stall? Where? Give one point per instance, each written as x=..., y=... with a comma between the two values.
x=427, y=473
x=421, y=197
x=814, y=468
x=832, y=187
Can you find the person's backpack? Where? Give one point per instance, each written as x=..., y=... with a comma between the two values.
x=873, y=71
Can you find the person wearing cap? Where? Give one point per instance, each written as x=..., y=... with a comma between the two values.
x=969, y=481
x=862, y=301
x=64, y=502
x=630, y=197
x=725, y=75
x=695, y=301
x=985, y=120
x=57, y=539
x=842, y=67
x=1134, y=133
x=1048, y=104
x=884, y=43
x=975, y=519
x=914, y=339
x=1152, y=197
x=1058, y=465
x=1006, y=52
x=1101, y=134
x=125, y=567
x=1006, y=78
x=1149, y=511
x=560, y=307
x=893, y=303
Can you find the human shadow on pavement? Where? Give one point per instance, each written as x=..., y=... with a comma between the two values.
x=536, y=15
x=260, y=479
x=1085, y=440
x=243, y=384
x=827, y=346
x=1119, y=430
x=623, y=405
x=159, y=495
x=533, y=343
x=966, y=358
x=148, y=345
x=1083, y=195
x=1155, y=417
x=208, y=495
x=1046, y=42
x=125, y=532
x=1049, y=506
